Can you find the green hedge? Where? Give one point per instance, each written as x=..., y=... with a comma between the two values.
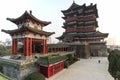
x=35, y=76
x=51, y=59
x=70, y=60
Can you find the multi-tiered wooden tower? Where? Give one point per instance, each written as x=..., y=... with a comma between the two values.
x=80, y=29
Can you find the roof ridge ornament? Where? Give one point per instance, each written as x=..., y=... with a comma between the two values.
x=73, y=1
x=30, y=11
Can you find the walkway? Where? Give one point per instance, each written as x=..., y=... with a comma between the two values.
x=85, y=69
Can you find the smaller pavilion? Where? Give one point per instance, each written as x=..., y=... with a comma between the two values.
x=30, y=33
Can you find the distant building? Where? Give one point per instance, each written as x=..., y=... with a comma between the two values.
x=80, y=30
x=8, y=42
x=113, y=47
x=2, y=43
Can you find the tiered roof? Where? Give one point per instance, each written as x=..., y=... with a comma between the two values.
x=80, y=22
x=27, y=16
x=75, y=6
x=26, y=28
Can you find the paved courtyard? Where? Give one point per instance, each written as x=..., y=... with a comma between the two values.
x=85, y=69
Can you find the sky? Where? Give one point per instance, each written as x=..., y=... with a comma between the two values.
x=50, y=10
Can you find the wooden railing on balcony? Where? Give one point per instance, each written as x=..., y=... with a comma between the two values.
x=97, y=41
x=88, y=29
x=75, y=18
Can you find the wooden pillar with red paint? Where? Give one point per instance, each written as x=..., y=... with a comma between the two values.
x=14, y=46
x=30, y=46
x=46, y=50
x=48, y=71
x=53, y=69
x=45, y=47
x=33, y=47
x=26, y=47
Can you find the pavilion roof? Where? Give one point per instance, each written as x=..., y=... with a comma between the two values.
x=26, y=16
x=24, y=29
x=76, y=6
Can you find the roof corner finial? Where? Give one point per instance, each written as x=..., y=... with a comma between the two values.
x=73, y=1
x=30, y=11
x=91, y=4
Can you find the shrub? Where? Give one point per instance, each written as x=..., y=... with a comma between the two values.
x=35, y=76
x=118, y=75
x=66, y=64
x=71, y=58
x=75, y=59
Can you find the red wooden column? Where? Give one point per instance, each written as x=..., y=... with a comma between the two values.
x=62, y=64
x=48, y=75
x=14, y=46
x=46, y=51
x=45, y=47
x=30, y=46
x=34, y=48
x=53, y=69
x=26, y=47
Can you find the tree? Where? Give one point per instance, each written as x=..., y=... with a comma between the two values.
x=114, y=64
x=5, y=50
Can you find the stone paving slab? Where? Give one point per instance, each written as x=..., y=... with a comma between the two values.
x=85, y=69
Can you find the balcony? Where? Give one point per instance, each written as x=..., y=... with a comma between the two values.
x=87, y=18
x=70, y=23
x=74, y=18
x=97, y=42
x=88, y=29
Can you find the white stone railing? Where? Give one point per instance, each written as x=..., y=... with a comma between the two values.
x=9, y=60
x=19, y=62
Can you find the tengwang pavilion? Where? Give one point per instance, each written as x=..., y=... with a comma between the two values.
x=80, y=30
